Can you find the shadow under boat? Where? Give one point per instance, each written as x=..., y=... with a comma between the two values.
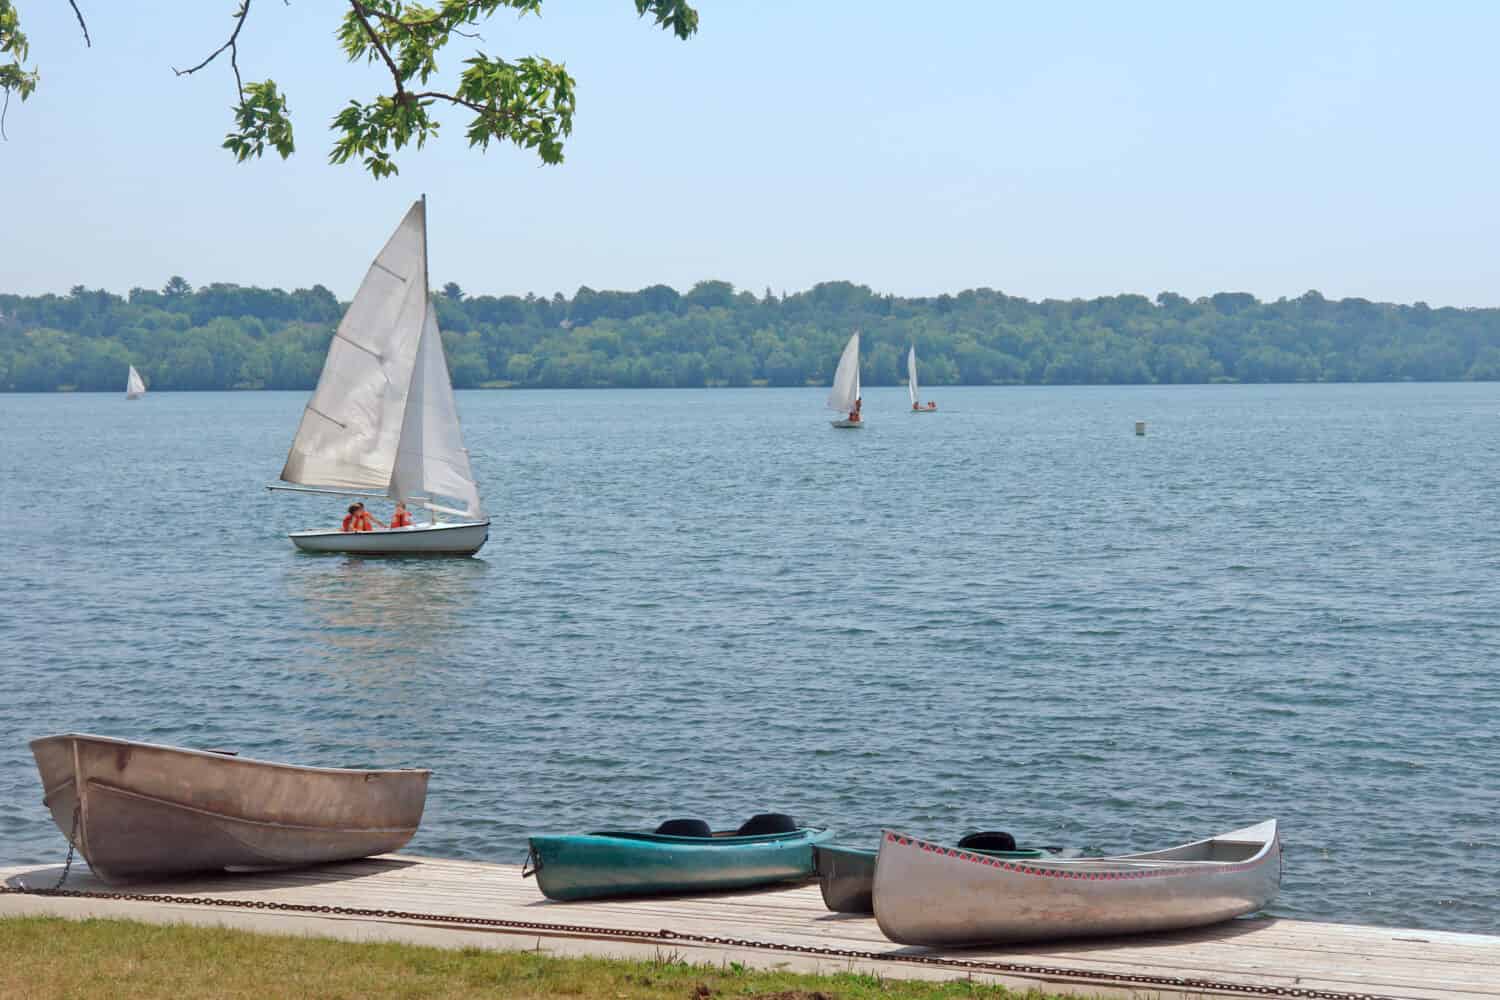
x=143, y=811
x=46, y=877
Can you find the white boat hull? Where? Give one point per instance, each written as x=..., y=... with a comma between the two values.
x=442, y=539
x=850, y=425
x=928, y=894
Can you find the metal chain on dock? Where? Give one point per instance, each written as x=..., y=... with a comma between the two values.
x=1025, y=969
x=72, y=844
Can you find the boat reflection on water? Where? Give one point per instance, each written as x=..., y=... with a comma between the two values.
x=369, y=617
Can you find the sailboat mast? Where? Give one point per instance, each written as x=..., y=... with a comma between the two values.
x=426, y=281
x=426, y=305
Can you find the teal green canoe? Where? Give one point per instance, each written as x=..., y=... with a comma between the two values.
x=680, y=856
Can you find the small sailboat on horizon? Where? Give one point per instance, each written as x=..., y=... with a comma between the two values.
x=135, y=386
x=911, y=384
x=383, y=421
x=844, y=396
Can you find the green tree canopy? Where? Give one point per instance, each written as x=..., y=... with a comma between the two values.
x=226, y=336
x=528, y=101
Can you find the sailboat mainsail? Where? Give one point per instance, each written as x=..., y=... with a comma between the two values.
x=352, y=426
x=846, y=378
x=911, y=374
x=135, y=388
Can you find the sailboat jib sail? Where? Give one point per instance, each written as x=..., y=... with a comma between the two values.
x=431, y=460
x=135, y=386
x=911, y=374
x=352, y=426
x=846, y=378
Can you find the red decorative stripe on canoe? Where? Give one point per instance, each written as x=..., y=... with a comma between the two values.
x=1066, y=873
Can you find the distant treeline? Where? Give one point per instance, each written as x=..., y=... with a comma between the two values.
x=228, y=337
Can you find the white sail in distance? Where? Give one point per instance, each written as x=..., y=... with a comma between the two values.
x=431, y=459
x=351, y=429
x=911, y=374
x=135, y=387
x=846, y=379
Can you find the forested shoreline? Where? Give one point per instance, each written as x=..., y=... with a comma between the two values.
x=224, y=336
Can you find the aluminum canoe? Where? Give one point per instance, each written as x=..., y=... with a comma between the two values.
x=139, y=810
x=441, y=539
x=938, y=896
x=630, y=863
x=846, y=875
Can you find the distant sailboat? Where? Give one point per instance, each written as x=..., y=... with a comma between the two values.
x=911, y=384
x=383, y=421
x=134, y=387
x=844, y=396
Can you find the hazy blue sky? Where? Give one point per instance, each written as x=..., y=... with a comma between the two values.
x=1043, y=150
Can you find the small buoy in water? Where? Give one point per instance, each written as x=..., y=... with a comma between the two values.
x=1140, y=428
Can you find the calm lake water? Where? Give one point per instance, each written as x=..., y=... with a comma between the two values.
x=1011, y=614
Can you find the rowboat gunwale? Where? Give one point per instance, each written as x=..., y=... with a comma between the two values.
x=225, y=757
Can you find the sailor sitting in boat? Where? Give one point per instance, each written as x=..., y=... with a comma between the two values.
x=402, y=517
x=359, y=519
x=854, y=413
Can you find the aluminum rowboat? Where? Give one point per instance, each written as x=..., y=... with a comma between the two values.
x=929, y=894
x=138, y=810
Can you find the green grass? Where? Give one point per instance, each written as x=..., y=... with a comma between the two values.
x=47, y=957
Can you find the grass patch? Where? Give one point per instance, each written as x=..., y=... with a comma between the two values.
x=48, y=957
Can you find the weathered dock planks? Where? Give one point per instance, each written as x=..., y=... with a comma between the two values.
x=1291, y=957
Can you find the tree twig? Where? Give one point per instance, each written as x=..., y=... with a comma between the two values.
x=233, y=48
x=362, y=12
x=86, y=39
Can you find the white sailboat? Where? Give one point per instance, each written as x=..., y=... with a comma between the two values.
x=135, y=388
x=844, y=396
x=383, y=421
x=911, y=384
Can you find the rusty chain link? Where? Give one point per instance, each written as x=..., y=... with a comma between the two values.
x=1025, y=969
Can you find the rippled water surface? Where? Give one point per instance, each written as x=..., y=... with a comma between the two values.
x=1013, y=613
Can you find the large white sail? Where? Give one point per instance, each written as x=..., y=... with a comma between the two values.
x=846, y=379
x=351, y=429
x=135, y=388
x=911, y=374
x=431, y=460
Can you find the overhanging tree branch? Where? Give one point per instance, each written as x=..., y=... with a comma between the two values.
x=79, y=14
x=527, y=101
x=232, y=46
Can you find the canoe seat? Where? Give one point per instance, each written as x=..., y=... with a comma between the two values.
x=764, y=823
x=989, y=840
x=685, y=828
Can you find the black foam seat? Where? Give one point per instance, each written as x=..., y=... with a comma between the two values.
x=989, y=840
x=685, y=828
x=764, y=823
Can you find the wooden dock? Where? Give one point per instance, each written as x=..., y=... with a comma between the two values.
x=425, y=900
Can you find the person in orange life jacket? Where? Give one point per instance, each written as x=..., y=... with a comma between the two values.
x=359, y=519
x=402, y=517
